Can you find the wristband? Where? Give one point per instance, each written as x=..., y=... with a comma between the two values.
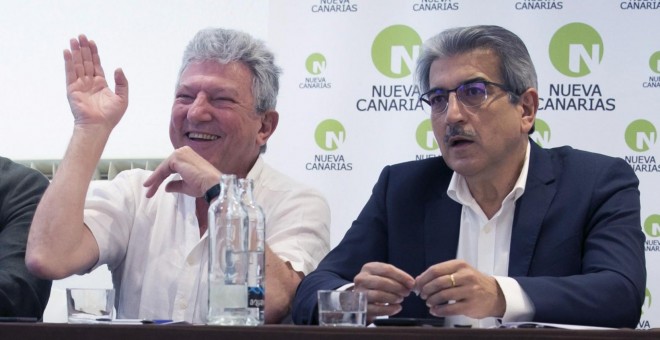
x=212, y=193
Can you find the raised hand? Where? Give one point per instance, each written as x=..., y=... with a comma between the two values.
x=91, y=100
x=385, y=285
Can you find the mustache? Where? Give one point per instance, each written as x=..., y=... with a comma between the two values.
x=457, y=131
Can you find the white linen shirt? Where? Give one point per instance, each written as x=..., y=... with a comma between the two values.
x=485, y=245
x=158, y=259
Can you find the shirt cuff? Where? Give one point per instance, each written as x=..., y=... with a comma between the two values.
x=519, y=307
x=348, y=286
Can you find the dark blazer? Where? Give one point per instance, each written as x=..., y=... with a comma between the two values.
x=577, y=248
x=21, y=293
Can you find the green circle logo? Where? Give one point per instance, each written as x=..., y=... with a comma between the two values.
x=640, y=135
x=575, y=49
x=654, y=62
x=647, y=300
x=541, y=133
x=315, y=63
x=652, y=226
x=395, y=50
x=425, y=137
x=329, y=135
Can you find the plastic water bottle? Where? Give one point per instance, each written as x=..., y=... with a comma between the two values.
x=228, y=257
x=256, y=256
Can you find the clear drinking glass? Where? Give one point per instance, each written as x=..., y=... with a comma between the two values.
x=342, y=308
x=90, y=305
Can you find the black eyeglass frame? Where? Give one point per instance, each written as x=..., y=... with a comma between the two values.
x=476, y=81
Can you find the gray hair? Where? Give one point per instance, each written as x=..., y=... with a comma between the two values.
x=225, y=46
x=516, y=66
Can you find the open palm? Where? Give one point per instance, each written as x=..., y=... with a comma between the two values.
x=92, y=101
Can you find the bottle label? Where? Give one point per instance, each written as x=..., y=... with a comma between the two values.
x=256, y=297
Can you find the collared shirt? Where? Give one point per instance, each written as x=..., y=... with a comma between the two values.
x=158, y=259
x=485, y=244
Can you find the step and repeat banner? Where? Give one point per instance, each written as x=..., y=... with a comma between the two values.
x=348, y=105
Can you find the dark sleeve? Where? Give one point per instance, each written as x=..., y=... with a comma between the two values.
x=21, y=294
x=363, y=242
x=607, y=289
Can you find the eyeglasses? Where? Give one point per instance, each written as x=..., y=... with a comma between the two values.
x=469, y=94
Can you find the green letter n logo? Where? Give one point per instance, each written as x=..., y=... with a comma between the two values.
x=576, y=49
x=640, y=135
x=652, y=226
x=395, y=50
x=315, y=63
x=329, y=134
x=654, y=62
x=425, y=137
x=541, y=133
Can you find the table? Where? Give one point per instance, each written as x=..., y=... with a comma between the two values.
x=29, y=331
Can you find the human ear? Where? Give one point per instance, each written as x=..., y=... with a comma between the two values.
x=269, y=120
x=529, y=104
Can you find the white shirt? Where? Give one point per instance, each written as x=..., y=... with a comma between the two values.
x=485, y=245
x=158, y=259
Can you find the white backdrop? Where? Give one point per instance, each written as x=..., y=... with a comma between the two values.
x=328, y=135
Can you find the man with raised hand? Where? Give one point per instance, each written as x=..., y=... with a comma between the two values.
x=150, y=227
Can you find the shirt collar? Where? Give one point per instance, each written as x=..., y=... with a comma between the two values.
x=257, y=168
x=459, y=191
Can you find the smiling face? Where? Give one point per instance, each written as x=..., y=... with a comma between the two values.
x=486, y=141
x=214, y=114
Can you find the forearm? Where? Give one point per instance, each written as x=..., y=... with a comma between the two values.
x=281, y=284
x=59, y=243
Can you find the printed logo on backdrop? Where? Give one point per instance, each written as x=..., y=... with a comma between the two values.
x=426, y=139
x=654, y=65
x=435, y=5
x=315, y=65
x=541, y=135
x=641, y=136
x=538, y=4
x=330, y=135
x=640, y=4
x=394, y=52
x=576, y=50
x=651, y=227
x=644, y=322
x=652, y=230
x=335, y=6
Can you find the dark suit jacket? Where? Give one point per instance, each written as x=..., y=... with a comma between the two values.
x=21, y=293
x=577, y=248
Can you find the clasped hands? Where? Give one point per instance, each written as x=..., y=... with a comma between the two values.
x=471, y=292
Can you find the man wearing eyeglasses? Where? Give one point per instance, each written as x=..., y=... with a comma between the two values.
x=496, y=228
